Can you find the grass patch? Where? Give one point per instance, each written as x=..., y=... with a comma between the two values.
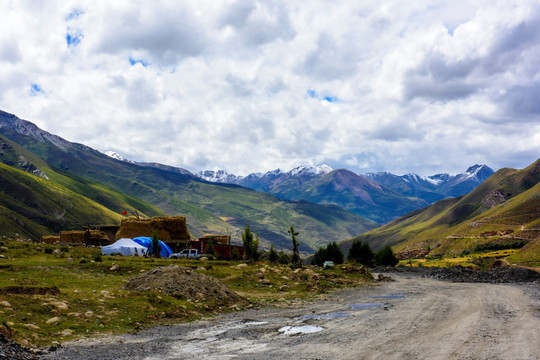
x=53, y=297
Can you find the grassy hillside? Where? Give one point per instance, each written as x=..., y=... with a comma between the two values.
x=32, y=206
x=505, y=209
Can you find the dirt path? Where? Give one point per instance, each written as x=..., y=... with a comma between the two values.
x=411, y=318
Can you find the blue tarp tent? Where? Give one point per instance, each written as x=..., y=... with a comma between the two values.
x=165, y=251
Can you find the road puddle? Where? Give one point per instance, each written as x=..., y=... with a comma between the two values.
x=305, y=329
x=365, y=306
x=329, y=316
x=391, y=296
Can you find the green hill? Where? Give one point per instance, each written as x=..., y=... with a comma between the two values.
x=505, y=209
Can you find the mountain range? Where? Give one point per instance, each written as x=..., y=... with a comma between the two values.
x=50, y=184
x=380, y=197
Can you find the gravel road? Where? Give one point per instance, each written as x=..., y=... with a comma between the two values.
x=410, y=318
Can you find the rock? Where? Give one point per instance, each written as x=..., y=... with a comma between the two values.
x=5, y=303
x=70, y=259
x=82, y=261
x=265, y=281
x=31, y=326
x=89, y=314
x=57, y=252
x=3, y=256
x=66, y=332
x=53, y=320
x=243, y=265
x=204, y=258
x=384, y=278
x=283, y=288
x=114, y=267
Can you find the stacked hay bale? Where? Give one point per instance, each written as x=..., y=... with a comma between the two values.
x=169, y=229
x=49, y=239
x=85, y=237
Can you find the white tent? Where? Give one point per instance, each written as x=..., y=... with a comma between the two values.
x=124, y=246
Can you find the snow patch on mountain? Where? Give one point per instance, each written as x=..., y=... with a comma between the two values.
x=116, y=156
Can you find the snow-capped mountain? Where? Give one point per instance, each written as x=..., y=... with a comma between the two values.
x=435, y=187
x=116, y=156
x=219, y=176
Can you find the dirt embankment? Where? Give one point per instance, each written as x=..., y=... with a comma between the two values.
x=184, y=283
x=462, y=274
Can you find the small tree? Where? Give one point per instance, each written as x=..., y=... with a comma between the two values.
x=334, y=253
x=295, y=256
x=210, y=247
x=386, y=256
x=251, y=246
x=320, y=257
x=272, y=254
x=361, y=253
x=156, y=250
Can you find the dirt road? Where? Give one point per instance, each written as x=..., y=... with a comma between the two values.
x=410, y=318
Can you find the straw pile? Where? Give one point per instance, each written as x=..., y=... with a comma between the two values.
x=168, y=229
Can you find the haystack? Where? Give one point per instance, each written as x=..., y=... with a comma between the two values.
x=86, y=237
x=49, y=239
x=169, y=229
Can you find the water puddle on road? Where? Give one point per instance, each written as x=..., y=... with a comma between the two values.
x=365, y=306
x=329, y=316
x=391, y=296
x=305, y=329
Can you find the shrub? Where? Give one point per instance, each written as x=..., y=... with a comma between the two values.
x=272, y=254
x=98, y=258
x=386, y=256
x=361, y=253
x=284, y=258
x=48, y=251
x=332, y=252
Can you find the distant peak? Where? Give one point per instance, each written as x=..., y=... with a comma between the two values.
x=311, y=170
x=115, y=155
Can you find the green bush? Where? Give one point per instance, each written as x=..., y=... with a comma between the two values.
x=361, y=253
x=386, y=256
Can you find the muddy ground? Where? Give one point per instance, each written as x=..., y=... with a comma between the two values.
x=410, y=318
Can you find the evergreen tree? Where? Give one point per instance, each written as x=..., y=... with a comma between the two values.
x=361, y=253
x=334, y=253
x=295, y=256
x=251, y=246
x=386, y=256
x=155, y=251
x=320, y=257
x=272, y=254
x=210, y=247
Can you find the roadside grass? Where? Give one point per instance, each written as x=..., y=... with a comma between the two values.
x=44, y=297
x=466, y=261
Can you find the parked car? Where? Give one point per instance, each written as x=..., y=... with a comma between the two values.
x=328, y=264
x=186, y=253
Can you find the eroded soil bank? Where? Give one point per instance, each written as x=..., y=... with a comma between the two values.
x=410, y=318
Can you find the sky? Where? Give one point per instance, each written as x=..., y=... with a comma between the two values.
x=250, y=86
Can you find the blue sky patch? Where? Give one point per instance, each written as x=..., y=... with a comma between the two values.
x=74, y=14
x=73, y=39
x=313, y=94
x=133, y=61
x=35, y=89
x=331, y=99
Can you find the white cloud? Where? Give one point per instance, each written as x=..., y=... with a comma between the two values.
x=406, y=87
